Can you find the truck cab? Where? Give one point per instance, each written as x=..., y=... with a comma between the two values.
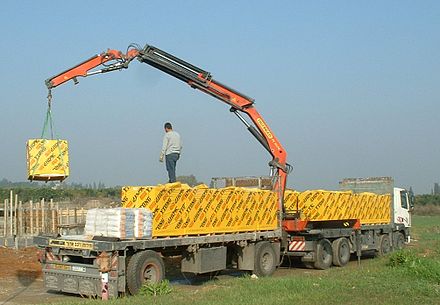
x=403, y=205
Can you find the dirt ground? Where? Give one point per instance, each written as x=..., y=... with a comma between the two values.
x=17, y=263
x=21, y=278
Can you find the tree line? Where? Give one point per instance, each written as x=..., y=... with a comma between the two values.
x=427, y=199
x=35, y=191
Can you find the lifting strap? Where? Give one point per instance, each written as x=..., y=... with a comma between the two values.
x=48, y=122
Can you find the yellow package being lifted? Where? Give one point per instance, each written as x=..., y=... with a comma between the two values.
x=181, y=210
x=47, y=160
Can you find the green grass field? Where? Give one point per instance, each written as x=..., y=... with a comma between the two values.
x=410, y=276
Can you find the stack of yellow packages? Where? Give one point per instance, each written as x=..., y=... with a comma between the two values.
x=181, y=210
x=369, y=208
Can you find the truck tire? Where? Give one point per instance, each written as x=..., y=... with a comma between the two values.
x=323, y=255
x=341, y=252
x=384, y=245
x=400, y=241
x=265, y=260
x=145, y=266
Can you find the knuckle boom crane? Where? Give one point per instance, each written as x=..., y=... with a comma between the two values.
x=333, y=226
x=197, y=78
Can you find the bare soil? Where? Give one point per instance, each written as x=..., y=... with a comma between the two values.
x=21, y=278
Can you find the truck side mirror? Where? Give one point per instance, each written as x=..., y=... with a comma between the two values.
x=411, y=198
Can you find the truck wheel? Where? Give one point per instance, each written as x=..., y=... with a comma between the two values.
x=265, y=261
x=324, y=254
x=341, y=252
x=400, y=241
x=145, y=266
x=384, y=245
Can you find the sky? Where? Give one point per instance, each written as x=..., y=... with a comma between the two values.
x=350, y=88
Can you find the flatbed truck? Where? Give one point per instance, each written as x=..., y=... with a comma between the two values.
x=76, y=264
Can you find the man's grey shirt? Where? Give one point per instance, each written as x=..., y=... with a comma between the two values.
x=171, y=143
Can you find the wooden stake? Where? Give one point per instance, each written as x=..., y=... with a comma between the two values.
x=43, y=219
x=20, y=218
x=68, y=219
x=59, y=218
x=16, y=215
x=11, y=205
x=5, y=218
x=37, y=219
x=53, y=216
x=75, y=219
x=32, y=216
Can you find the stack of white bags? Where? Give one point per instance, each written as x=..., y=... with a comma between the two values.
x=123, y=223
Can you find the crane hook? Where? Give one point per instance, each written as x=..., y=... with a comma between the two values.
x=49, y=98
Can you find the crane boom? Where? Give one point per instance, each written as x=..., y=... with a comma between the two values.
x=197, y=78
x=83, y=69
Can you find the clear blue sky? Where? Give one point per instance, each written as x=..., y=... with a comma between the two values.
x=350, y=88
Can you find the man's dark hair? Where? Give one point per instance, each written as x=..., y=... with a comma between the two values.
x=168, y=125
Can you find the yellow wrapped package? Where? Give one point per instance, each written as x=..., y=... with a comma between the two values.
x=47, y=160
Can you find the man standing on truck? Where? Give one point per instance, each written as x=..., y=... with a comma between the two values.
x=171, y=148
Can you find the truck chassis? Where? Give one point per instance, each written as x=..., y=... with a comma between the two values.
x=75, y=264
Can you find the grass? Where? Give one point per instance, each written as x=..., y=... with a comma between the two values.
x=426, y=236
x=409, y=263
x=410, y=276
x=156, y=289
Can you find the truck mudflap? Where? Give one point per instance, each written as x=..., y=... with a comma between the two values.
x=78, y=279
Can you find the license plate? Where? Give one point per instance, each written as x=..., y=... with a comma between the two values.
x=71, y=244
x=59, y=267
x=66, y=268
x=78, y=269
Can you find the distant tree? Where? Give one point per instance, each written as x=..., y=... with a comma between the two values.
x=4, y=182
x=191, y=180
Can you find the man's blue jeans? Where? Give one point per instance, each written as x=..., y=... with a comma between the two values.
x=170, y=162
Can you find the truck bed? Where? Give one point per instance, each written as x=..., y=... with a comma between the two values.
x=81, y=242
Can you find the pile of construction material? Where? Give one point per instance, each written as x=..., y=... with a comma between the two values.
x=180, y=210
x=121, y=223
x=320, y=205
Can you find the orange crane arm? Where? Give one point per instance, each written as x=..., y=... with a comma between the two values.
x=83, y=69
x=196, y=78
x=264, y=135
